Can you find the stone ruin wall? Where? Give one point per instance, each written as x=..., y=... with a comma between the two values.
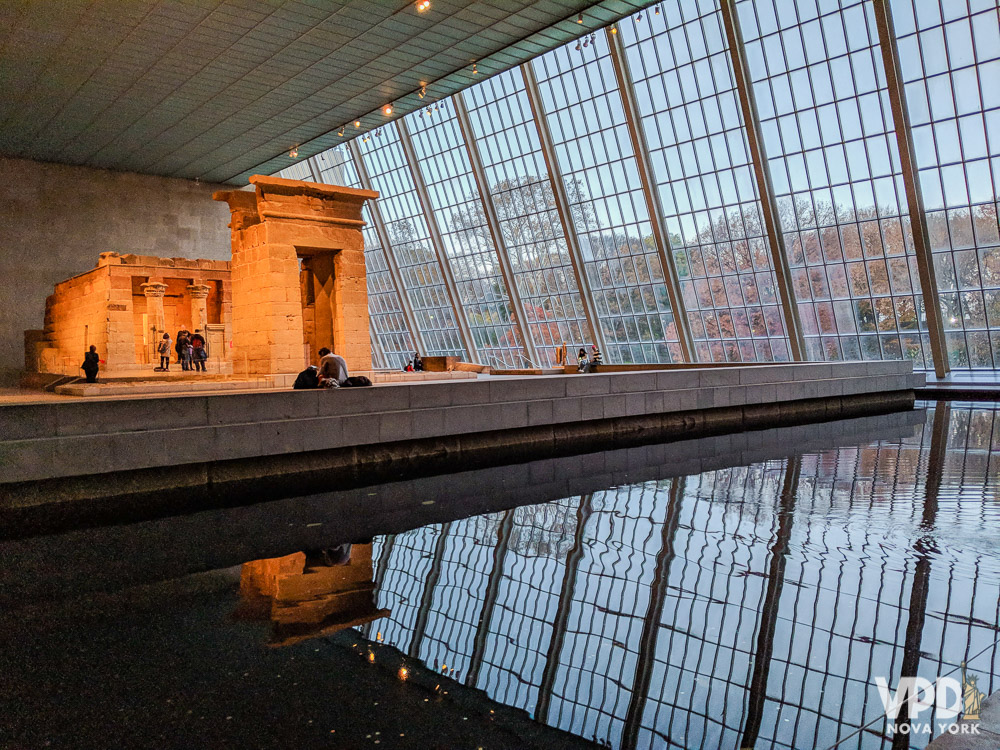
x=105, y=307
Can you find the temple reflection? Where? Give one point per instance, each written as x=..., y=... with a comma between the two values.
x=310, y=594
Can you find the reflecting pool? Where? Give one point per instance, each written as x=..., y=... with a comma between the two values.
x=752, y=605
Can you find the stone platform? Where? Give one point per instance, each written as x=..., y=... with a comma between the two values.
x=95, y=460
x=188, y=383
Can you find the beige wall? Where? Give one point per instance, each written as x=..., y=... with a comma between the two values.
x=55, y=221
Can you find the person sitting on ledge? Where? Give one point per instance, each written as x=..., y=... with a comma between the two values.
x=332, y=369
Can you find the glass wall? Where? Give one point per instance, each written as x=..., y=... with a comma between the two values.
x=829, y=144
x=950, y=59
x=679, y=63
x=410, y=242
x=521, y=190
x=445, y=168
x=583, y=109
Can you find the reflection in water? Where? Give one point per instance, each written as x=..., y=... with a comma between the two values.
x=751, y=606
x=310, y=594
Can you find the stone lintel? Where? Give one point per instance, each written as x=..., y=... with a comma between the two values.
x=296, y=201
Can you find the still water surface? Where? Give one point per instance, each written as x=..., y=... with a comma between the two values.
x=743, y=606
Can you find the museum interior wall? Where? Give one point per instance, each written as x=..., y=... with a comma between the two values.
x=57, y=220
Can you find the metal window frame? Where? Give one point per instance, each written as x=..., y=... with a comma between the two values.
x=420, y=187
x=493, y=223
x=504, y=532
x=762, y=174
x=552, y=656
x=390, y=258
x=644, y=165
x=911, y=182
x=562, y=206
x=427, y=597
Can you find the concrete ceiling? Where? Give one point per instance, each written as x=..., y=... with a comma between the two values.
x=222, y=89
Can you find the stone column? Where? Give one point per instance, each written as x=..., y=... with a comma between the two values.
x=199, y=306
x=154, y=291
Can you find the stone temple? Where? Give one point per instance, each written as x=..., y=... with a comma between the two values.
x=296, y=283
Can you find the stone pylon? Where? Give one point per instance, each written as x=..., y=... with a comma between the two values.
x=273, y=227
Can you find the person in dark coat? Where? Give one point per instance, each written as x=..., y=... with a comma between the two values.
x=181, y=347
x=91, y=364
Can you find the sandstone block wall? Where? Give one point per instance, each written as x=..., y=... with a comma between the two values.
x=57, y=219
x=277, y=229
x=108, y=307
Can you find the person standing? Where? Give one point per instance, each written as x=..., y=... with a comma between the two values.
x=183, y=347
x=164, y=351
x=198, y=353
x=91, y=364
x=332, y=369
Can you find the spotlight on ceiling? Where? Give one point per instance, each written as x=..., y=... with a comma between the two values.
x=422, y=5
x=294, y=152
x=387, y=110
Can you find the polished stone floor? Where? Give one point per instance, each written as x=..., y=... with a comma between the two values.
x=748, y=603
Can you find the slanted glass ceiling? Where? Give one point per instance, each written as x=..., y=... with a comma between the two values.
x=817, y=79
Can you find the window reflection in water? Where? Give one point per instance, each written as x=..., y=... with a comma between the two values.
x=746, y=606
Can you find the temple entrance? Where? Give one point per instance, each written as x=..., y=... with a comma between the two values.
x=318, y=300
x=298, y=272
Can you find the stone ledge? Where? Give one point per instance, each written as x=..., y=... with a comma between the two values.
x=88, y=499
x=253, y=424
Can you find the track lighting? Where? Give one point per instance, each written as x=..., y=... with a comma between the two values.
x=341, y=131
x=294, y=152
x=423, y=92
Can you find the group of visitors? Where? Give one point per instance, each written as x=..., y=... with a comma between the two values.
x=584, y=362
x=330, y=373
x=588, y=363
x=190, y=348
x=414, y=365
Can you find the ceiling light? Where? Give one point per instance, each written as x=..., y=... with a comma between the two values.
x=657, y=10
x=387, y=110
x=422, y=5
x=579, y=19
x=341, y=131
x=423, y=92
x=357, y=123
x=614, y=29
x=475, y=69
x=294, y=152
x=578, y=45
